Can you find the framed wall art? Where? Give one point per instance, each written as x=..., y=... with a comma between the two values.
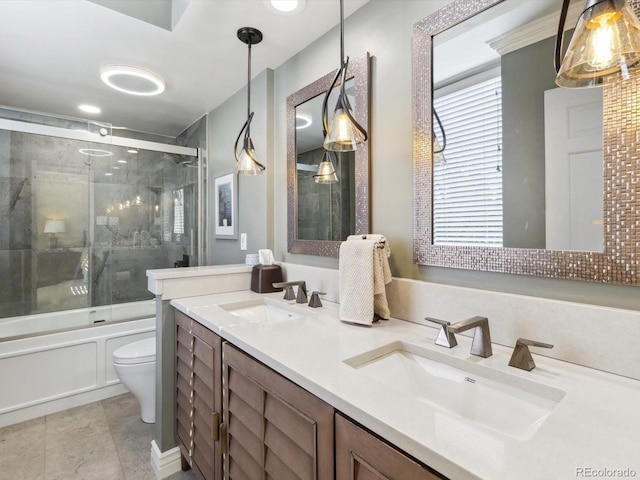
x=225, y=191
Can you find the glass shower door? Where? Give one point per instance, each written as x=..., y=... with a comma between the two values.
x=82, y=220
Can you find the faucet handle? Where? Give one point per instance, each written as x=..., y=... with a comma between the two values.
x=302, y=293
x=521, y=357
x=315, y=299
x=446, y=338
x=288, y=289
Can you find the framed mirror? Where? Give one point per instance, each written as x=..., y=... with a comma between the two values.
x=511, y=173
x=321, y=215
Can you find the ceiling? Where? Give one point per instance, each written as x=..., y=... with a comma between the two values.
x=51, y=52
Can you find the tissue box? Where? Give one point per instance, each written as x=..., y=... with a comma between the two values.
x=264, y=276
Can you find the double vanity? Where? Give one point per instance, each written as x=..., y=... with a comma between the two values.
x=289, y=389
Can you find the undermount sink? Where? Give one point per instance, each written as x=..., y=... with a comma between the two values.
x=507, y=403
x=264, y=311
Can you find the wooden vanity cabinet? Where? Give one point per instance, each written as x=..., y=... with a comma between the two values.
x=276, y=429
x=363, y=456
x=198, y=397
x=233, y=410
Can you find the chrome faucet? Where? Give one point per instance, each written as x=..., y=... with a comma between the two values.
x=521, y=357
x=481, y=344
x=288, y=290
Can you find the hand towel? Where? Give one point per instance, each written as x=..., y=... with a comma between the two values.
x=363, y=273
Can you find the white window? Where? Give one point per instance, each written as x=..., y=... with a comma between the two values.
x=467, y=191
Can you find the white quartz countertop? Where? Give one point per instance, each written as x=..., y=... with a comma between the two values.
x=593, y=432
x=202, y=271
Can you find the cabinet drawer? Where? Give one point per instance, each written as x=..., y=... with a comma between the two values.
x=361, y=455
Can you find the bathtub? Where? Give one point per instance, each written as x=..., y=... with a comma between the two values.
x=68, y=365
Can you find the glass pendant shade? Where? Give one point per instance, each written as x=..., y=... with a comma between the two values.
x=326, y=171
x=605, y=42
x=342, y=134
x=438, y=147
x=246, y=163
x=438, y=153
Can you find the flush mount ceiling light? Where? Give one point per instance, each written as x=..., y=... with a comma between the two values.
x=246, y=161
x=285, y=7
x=132, y=150
x=95, y=152
x=344, y=133
x=122, y=160
x=605, y=42
x=132, y=80
x=302, y=120
x=89, y=109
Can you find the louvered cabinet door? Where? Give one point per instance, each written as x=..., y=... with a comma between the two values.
x=276, y=430
x=199, y=397
x=363, y=456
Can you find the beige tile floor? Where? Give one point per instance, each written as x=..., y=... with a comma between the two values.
x=104, y=440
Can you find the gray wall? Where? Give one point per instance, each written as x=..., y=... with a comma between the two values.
x=255, y=204
x=384, y=30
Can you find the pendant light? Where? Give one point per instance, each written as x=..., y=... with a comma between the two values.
x=246, y=161
x=344, y=133
x=326, y=171
x=605, y=42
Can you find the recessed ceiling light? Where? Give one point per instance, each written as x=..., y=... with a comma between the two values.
x=122, y=160
x=132, y=150
x=285, y=7
x=89, y=109
x=95, y=152
x=108, y=174
x=132, y=80
x=116, y=168
x=302, y=120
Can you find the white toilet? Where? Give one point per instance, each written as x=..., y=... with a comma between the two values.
x=135, y=364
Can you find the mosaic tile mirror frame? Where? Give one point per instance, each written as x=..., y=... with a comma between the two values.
x=618, y=260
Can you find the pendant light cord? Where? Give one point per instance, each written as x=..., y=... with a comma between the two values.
x=341, y=33
x=248, y=134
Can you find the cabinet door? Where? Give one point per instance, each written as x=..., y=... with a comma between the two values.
x=199, y=396
x=362, y=456
x=276, y=430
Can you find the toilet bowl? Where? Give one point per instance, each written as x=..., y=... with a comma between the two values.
x=135, y=364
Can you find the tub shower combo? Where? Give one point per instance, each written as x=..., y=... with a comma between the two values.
x=84, y=213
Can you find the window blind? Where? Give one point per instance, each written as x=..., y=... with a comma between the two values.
x=467, y=192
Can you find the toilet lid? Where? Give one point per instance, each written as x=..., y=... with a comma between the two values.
x=137, y=352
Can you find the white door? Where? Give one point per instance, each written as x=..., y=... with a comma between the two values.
x=573, y=169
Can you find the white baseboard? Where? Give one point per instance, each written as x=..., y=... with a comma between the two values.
x=165, y=463
x=60, y=404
